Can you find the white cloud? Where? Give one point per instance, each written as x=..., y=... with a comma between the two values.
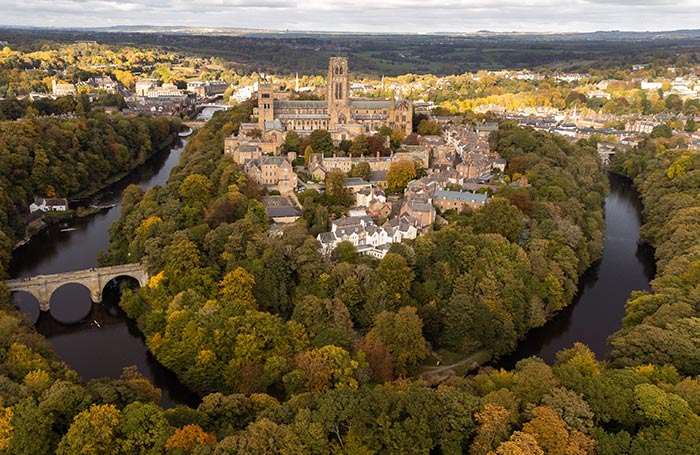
x=363, y=15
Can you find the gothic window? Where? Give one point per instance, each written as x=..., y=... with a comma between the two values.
x=338, y=90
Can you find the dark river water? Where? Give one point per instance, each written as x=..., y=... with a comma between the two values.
x=96, y=340
x=104, y=340
x=599, y=306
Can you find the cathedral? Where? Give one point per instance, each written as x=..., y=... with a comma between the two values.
x=342, y=116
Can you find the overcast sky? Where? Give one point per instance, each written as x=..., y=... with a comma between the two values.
x=420, y=16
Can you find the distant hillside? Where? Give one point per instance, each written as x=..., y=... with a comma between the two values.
x=389, y=54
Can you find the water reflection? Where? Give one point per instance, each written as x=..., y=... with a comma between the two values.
x=103, y=340
x=599, y=306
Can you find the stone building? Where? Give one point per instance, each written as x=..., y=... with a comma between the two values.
x=62, y=89
x=273, y=172
x=458, y=200
x=341, y=115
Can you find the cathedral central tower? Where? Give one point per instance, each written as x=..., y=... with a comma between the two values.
x=337, y=90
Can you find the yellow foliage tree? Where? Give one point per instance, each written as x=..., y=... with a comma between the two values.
x=188, y=438
x=5, y=428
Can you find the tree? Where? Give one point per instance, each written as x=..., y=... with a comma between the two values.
x=195, y=190
x=189, y=438
x=498, y=216
x=376, y=144
x=399, y=174
x=553, y=437
x=661, y=131
x=31, y=429
x=327, y=320
x=520, y=444
x=143, y=428
x=361, y=170
x=492, y=430
x=236, y=291
x=360, y=145
x=345, y=251
x=429, y=128
x=321, y=141
x=402, y=334
x=93, y=432
x=292, y=142
x=335, y=186
x=326, y=368
x=5, y=428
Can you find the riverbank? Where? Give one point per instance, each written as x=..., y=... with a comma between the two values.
x=627, y=265
x=81, y=211
x=104, y=340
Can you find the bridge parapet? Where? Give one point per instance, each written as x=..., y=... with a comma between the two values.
x=95, y=279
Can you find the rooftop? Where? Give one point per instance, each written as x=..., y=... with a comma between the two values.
x=461, y=196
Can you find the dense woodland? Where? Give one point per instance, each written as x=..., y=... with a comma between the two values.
x=394, y=54
x=663, y=326
x=65, y=156
x=295, y=353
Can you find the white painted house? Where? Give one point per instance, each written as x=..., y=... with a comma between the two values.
x=48, y=205
x=368, y=238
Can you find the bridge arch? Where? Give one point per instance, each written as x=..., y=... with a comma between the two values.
x=27, y=304
x=70, y=303
x=95, y=279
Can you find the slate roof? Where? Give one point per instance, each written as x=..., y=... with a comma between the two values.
x=461, y=196
x=300, y=104
x=370, y=104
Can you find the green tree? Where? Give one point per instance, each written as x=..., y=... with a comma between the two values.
x=335, y=186
x=428, y=128
x=195, y=190
x=361, y=170
x=143, y=428
x=345, y=251
x=360, y=145
x=498, y=216
x=292, y=142
x=321, y=141
x=661, y=131
x=402, y=334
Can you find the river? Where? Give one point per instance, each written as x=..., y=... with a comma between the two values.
x=599, y=306
x=103, y=340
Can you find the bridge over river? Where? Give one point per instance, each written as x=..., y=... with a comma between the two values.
x=95, y=279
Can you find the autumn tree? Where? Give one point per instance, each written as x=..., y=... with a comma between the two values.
x=93, y=432
x=188, y=438
x=399, y=174
x=195, y=190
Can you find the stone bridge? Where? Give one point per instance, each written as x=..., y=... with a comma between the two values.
x=43, y=286
x=194, y=124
